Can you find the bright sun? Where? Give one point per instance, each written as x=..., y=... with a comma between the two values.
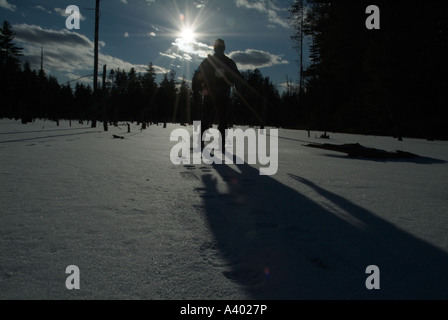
x=187, y=34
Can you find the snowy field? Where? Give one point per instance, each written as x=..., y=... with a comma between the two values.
x=139, y=227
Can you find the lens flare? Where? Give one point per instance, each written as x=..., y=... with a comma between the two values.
x=187, y=34
x=267, y=272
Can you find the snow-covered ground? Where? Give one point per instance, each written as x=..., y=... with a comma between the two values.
x=140, y=227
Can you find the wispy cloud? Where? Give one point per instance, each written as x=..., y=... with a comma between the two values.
x=32, y=34
x=66, y=53
x=42, y=8
x=292, y=86
x=196, y=51
x=187, y=50
x=6, y=5
x=252, y=59
x=200, y=3
x=149, y=2
x=267, y=7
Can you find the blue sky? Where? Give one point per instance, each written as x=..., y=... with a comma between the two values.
x=173, y=35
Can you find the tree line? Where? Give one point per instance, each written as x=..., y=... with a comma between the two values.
x=389, y=81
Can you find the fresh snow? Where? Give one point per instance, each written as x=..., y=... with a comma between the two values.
x=140, y=227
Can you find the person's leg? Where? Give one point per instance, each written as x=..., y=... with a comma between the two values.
x=208, y=110
x=222, y=119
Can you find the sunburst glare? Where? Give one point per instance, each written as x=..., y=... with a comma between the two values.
x=192, y=31
x=187, y=34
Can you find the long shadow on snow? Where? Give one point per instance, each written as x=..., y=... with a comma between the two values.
x=416, y=160
x=279, y=244
x=43, y=130
x=50, y=136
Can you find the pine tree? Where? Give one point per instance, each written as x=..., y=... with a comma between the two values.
x=9, y=71
x=9, y=52
x=149, y=90
x=183, y=104
x=167, y=97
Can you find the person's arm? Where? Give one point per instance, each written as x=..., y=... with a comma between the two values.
x=236, y=76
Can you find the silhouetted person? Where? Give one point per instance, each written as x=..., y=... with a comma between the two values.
x=213, y=81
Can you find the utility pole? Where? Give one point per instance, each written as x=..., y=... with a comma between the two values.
x=95, y=67
x=42, y=59
x=301, y=77
x=301, y=49
x=102, y=101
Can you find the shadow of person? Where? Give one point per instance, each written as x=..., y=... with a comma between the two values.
x=416, y=160
x=281, y=245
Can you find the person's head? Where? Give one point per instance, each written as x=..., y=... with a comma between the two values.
x=219, y=46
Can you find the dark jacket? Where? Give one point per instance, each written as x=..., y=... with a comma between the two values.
x=215, y=76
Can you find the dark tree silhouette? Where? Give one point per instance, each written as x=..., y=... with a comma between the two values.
x=182, y=112
x=257, y=101
x=149, y=91
x=166, y=98
x=9, y=71
x=387, y=81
